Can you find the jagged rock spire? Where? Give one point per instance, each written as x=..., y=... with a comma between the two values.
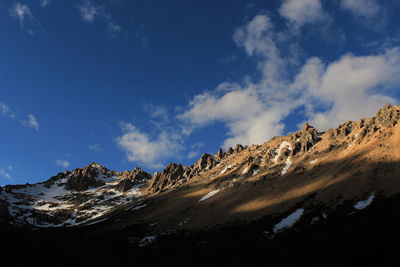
x=220, y=154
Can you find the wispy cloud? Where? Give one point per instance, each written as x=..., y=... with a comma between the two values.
x=91, y=12
x=6, y=111
x=141, y=36
x=157, y=112
x=45, y=3
x=193, y=154
x=31, y=121
x=369, y=13
x=5, y=172
x=301, y=12
x=62, y=163
x=362, y=8
x=113, y=28
x=23, y=14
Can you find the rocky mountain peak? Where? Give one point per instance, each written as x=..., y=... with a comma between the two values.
x=220, y=154
x=387, y=116
x=132, y=178
x=305, y=139
x=81, y=179
x=205, y=162
x=171, y=174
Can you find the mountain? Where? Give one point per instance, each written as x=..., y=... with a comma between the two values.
x=293, y=194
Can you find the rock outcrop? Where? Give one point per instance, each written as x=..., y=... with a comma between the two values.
x=387, y=116
x=82, y=178
x=206, y=162
x=169, y=176
x=220, y=154
x=132, y=178
x=305, y=139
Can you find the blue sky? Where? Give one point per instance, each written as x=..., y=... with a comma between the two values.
x=145, y=83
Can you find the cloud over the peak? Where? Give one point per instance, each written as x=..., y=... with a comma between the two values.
x=62, y=163
x=353, y=86
x=140, y=147
x=253, y=111
x=5, y=172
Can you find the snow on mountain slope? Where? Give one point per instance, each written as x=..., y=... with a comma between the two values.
x=57, y=203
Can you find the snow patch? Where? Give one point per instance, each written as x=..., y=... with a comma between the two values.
x=287, y=166
x=245, y=170
x=138, y=207
x=147, y=240
x=279, y=150
x=289, y=221
x=227, y=168
x=212, y=193
x=364, y=203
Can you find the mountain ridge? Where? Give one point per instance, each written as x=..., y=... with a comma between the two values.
x=92, y=193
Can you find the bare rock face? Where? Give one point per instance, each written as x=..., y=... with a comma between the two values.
x=169, y=176
x=56, y=178
x=305, y=139
x=238, y=148
x=131, y=178
x=220, y=154
x=206, y=162
x=83, y=178
x=387, y=116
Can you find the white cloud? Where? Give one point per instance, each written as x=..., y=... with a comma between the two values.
x=62, y=163
x=193, y=154
x=31, y=122
x=362, y=8
x=25, y=17
x=140, y=147
x=45, y=3
x=301, y=12
x=113, y=28
x=157, y=112
x=6, y=111
x=251, y=111
x=21, y=12
x=5, y=172
x=89, y=12
x=350, y=88
x=353, y=86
